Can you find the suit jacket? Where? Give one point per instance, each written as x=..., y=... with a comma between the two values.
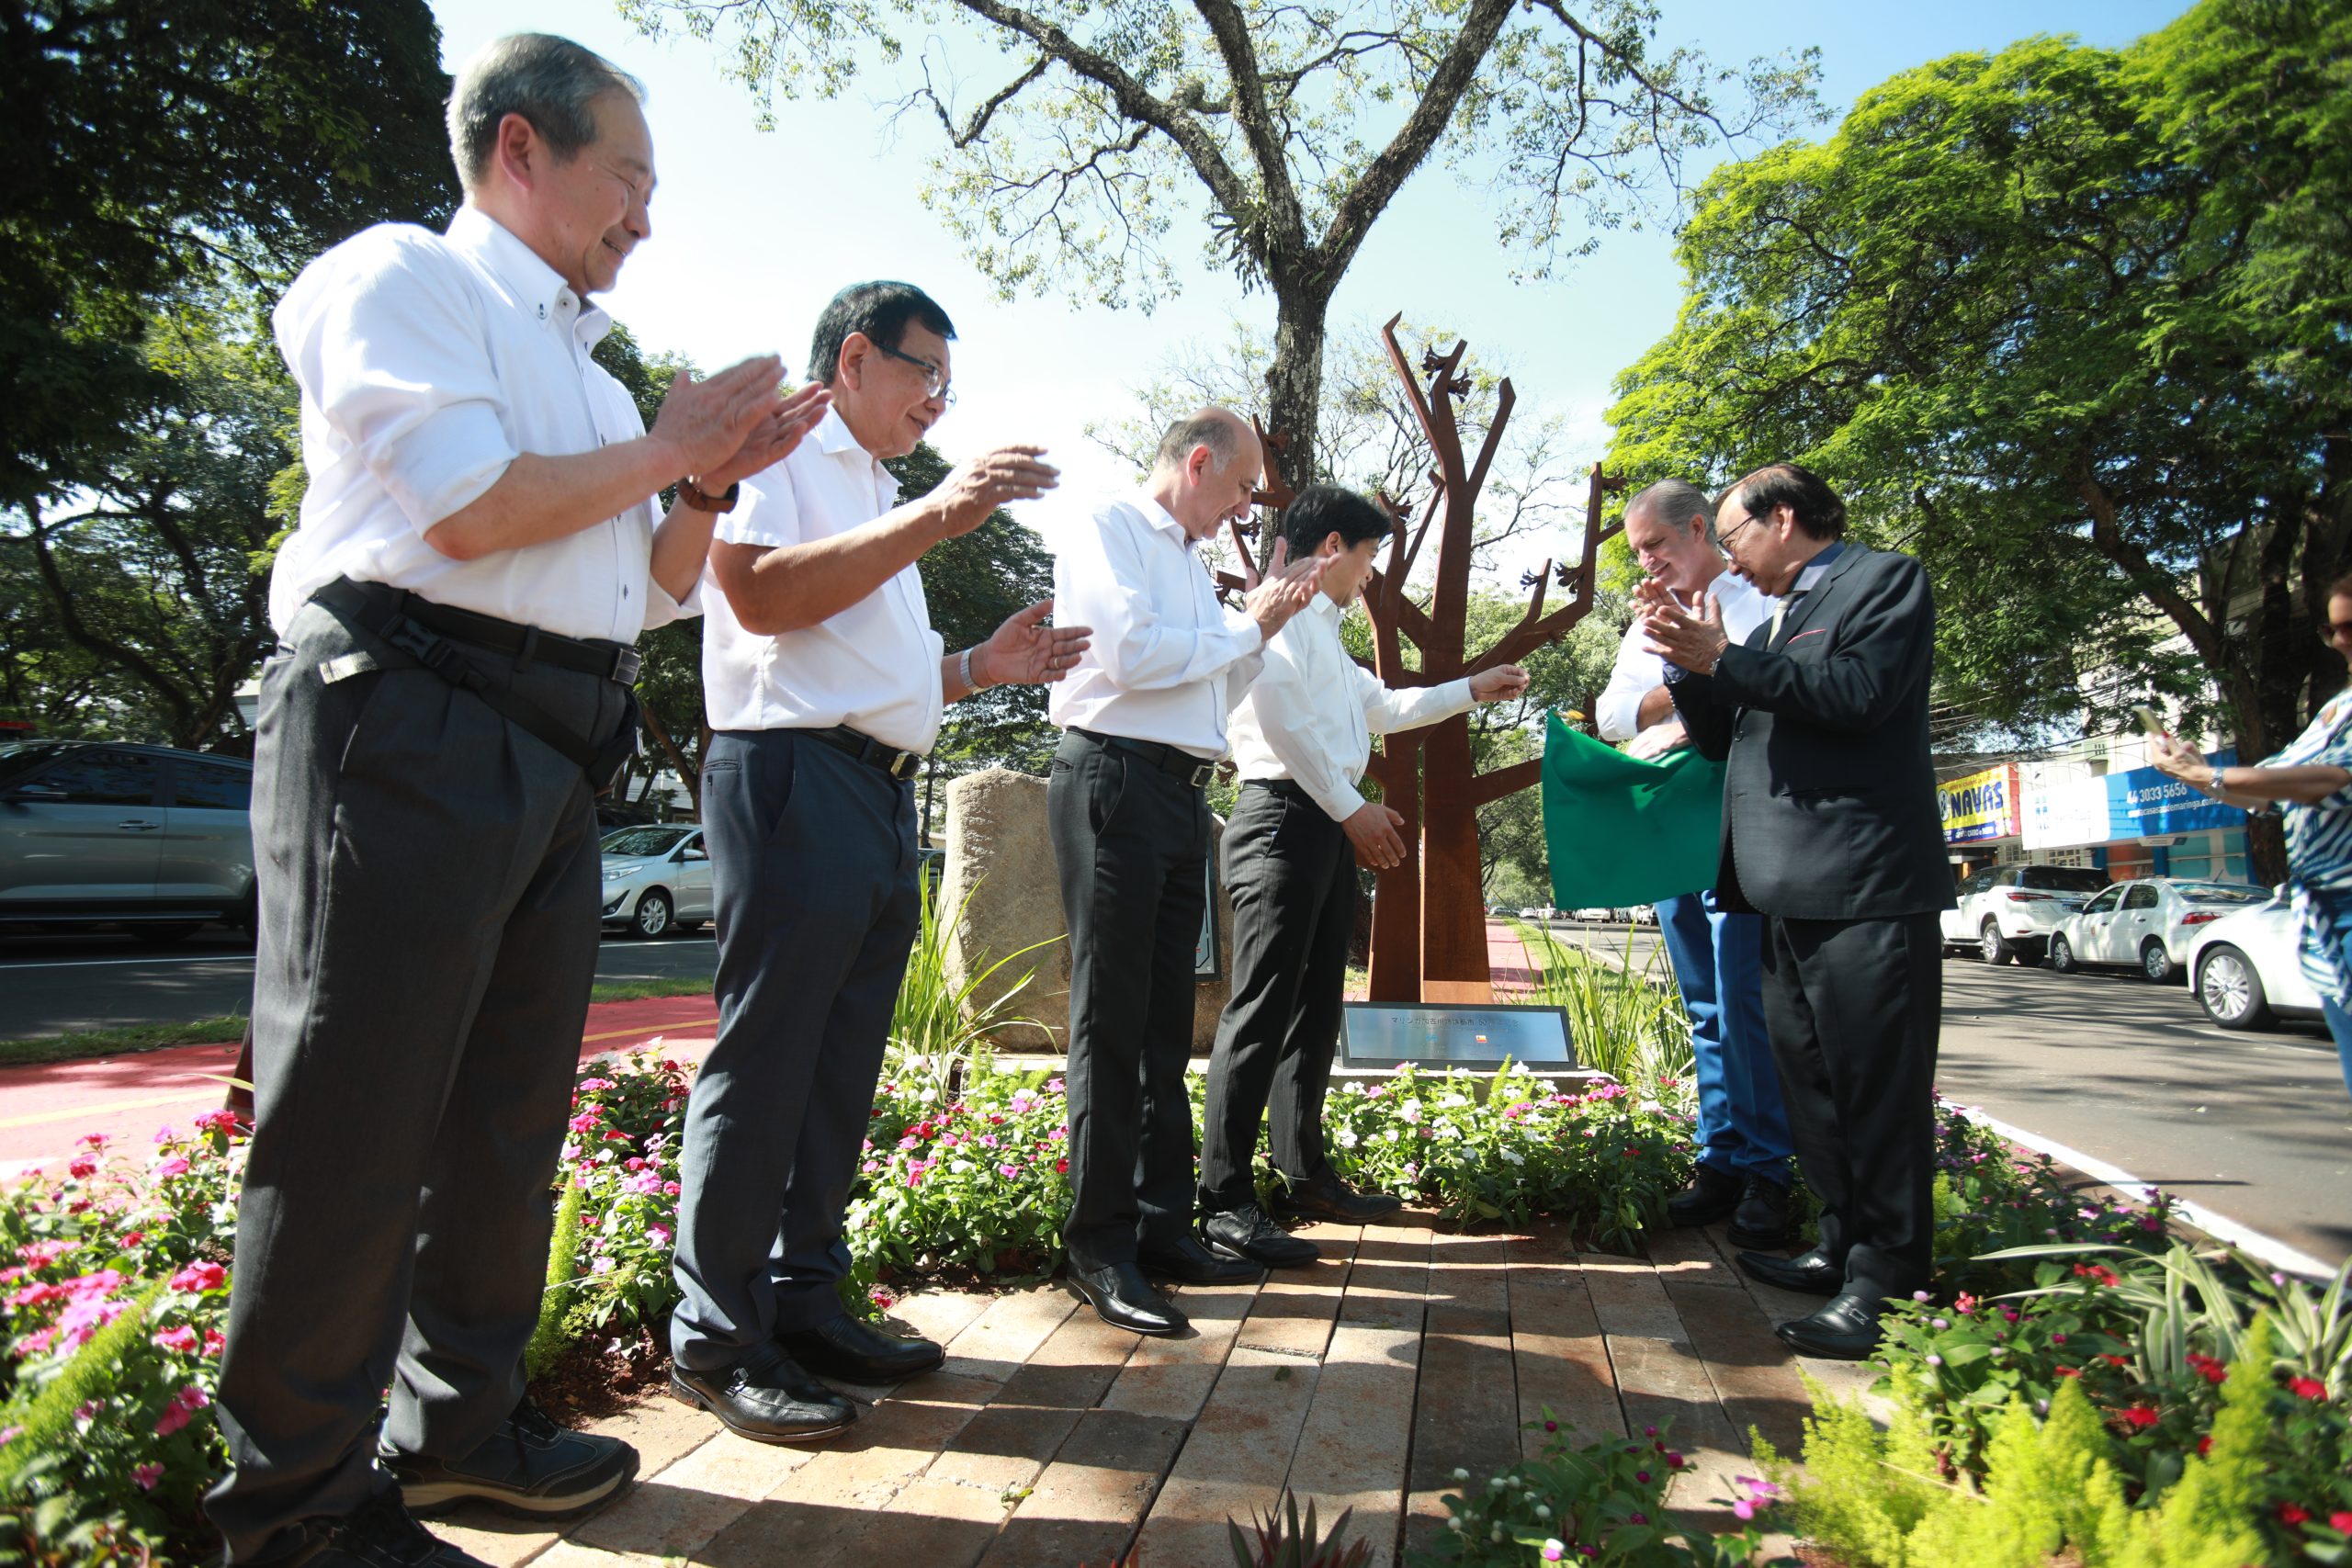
x=1830, y=797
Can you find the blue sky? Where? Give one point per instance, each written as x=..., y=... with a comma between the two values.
x=753, y=230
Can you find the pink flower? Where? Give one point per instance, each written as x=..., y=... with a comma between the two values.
x=2308, y=1388
x=198, y=1277
x=180, y=1338
x=221, y=1121
x=185, y=1404
x=147, y=1475
x=176, y=1166
x=215, y=1342
x=655, y=1236
x=82, y=1169
x=671, y=1189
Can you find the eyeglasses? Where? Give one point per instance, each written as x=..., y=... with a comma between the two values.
x=2329, y=631
x=1725, y=537
x=936, y=383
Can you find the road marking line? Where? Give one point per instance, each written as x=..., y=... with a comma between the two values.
x=656, y=1029
x=2220, y=1227
x=96, y=963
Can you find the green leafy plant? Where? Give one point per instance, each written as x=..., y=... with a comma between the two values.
x=1283, y=1542
x=941, y=1033
x=1626, y=1022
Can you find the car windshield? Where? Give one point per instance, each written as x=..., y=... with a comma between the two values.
x=16, y=760
x=2220, y=893
x=641, y=842
x=2061, y=878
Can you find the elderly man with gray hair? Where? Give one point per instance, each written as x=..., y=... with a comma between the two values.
x=1145, y=717
x=1743, y=1140
x=478, y=547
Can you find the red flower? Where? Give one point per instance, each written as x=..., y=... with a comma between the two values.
x=1061, y=1168
x=2142, y=1416
x=2068, y=1372
x=2309, y=1388
x=2115, y=1360
x=2290, y=1515
x=2208, y=1368
x=2099, y=1273
x=2204, y=1447
x=2341, y=1521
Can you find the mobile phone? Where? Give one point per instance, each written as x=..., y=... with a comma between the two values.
x=2149, y=718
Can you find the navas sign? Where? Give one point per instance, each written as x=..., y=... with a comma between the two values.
x=1982, y=806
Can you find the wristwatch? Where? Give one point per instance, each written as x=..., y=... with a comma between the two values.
x=2215, y=788
x=701, y=499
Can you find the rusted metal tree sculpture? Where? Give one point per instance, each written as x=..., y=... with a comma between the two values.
x=1429, y=924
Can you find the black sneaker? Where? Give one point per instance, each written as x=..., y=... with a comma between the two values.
x=530, y=1467
x=1765, y=1216
x=379, y=1534
x=1712, y=1195
x=1246, y=1233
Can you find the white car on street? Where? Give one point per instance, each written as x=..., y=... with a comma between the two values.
x=657, y=878
x=2245, y=971
x=2146, y=924
x=2009, y=911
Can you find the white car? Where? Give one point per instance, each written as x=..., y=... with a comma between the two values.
x=2009, y=911
x=2146, y=924
x=657, y=879
x=2245, y=970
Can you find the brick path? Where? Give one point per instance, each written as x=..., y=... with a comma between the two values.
x=1049, y=1440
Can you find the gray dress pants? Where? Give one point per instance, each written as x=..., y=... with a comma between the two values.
x=428, y=884
x=1131, y=843
x=812, y=866
x=1292, y=877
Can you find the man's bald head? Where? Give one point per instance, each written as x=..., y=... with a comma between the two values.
x=1222, y=430
x=1207, y=469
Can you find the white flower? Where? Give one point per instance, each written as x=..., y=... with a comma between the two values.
x=1388, y=1136
x=959, y=1167
x=1450, y=1100
x=1410, y=1111
x=927, y=1096
x=1460, y=1473
x=1352, y=1088
x=1511, y=1156
x=1347, y=1139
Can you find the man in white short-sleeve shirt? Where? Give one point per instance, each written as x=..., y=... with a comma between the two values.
x=1744, y=1140
x=824, y=680
x=477, y=547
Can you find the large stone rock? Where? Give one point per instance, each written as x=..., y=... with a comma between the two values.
x=1001, y=859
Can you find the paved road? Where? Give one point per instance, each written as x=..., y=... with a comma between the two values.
x=60, y=985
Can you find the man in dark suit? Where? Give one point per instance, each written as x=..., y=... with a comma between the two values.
x=1831, y=831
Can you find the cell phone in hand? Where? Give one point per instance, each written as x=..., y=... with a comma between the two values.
x=2150, y=720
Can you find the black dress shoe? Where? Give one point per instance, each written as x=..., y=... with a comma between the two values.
x=1246, y=1233
x=1712, y=1196
x=767, y=1397
x=1332, y=1198
x=1809, y=1273
x=1845, y=1330
x=856, y=1351
x=529, y=1466
x=1123, y=1297
x=1186, y=1260
x=378, y=1534
x=1764, y=1217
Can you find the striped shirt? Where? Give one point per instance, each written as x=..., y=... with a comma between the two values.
x=2319, y=843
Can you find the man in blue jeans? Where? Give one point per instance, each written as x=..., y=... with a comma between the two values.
x=1743, y=1172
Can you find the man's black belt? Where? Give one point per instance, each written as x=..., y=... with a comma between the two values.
x=865, y=748
x=435, y=636
x=1166, y=759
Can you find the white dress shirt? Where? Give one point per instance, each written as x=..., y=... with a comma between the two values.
x=1311, y=715
x=1638, y=672
x=873, y=666
x=427, y=363
x=1167, y=661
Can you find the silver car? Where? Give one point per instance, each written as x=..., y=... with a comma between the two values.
x=150, y=839
x=657, y=879
x=2146, y=924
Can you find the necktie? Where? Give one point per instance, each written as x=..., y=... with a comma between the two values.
x=1780, y=614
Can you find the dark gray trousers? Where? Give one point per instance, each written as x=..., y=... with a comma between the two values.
x=1853, y=1009
x=428, y=880
x=1131, y=843
x=1292, y=875
x=812, y=866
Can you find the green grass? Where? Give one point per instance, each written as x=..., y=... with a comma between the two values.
x=642, y=990
x=227, y=1029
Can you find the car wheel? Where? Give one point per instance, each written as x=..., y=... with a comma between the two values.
x=2230, y=991
x=652, y=917
x=2062, y=956
x=1994, y=945
x=165, y=935
x=2155, y=963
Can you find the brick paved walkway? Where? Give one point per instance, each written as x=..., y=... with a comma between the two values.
x=1049, y=1440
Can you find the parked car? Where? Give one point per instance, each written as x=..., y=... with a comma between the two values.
x=2146, y=924
x=1544, y=913
x=156, y=841
x=2245, y=970
x=657, y=879
x=2009, y=911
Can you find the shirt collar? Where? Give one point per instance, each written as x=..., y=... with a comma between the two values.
x=1161, y=518
x=1817, y=568
x=835, y=439
x=534, y=287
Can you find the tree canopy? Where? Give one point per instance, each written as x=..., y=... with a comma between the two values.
x=2071, y=323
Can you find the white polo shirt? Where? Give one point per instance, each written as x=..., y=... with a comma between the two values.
x=873, y=666
x=427, y=363
x=1166, y=661
x=1638, y=671
x=1311, y=715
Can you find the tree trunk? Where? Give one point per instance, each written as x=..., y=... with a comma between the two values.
x=1454, y=924
x=1295, y=391
x=687, y=775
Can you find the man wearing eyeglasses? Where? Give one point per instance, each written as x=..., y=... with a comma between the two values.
x=1831, y=830
x=825, y=683
x=1742, y=1174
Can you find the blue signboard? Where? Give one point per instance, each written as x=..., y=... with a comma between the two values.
x=2147, y=802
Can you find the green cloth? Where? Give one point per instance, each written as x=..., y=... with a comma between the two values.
x=1622, y=832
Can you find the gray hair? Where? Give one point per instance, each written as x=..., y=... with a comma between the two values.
x=1677, y=504
x=549, y=80
x=1218, y=429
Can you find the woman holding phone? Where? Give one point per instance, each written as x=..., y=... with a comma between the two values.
x=2309, y=783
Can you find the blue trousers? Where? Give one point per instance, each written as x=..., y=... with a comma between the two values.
x=1743, y=1127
